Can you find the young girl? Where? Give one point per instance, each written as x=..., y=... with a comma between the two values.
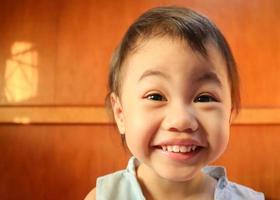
x=173, y=90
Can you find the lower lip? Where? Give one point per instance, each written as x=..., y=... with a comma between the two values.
x=181, y=156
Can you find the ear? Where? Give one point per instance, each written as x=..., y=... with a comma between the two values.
x=233, y=115
x=118, y=112
x=231, y=118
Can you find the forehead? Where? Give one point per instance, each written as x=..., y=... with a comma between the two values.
x=168, y=54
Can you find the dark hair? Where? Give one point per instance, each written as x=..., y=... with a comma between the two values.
x=175, y=22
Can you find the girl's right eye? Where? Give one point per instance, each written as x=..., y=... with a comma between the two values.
x=155, y=97
x=205, y=98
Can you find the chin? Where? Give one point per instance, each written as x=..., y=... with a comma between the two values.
x=179, y=176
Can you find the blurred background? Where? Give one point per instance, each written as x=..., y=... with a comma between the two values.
x=55, y=135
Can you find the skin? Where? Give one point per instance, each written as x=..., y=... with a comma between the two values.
x=171, y=93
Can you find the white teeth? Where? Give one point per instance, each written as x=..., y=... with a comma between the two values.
x=169, y=148
x=176, y=149
x=183, y=149
x=179, y=148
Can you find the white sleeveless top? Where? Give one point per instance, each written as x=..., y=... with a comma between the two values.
x=123, y=185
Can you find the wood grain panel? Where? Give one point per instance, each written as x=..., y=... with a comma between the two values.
x=56, y=162
x=88, y=33
x=29, y=22
x=75, y=40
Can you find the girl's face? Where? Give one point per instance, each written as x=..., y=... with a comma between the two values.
x=174, y=108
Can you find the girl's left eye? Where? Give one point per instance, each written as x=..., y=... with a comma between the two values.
x=155, y=97
x=204, y=98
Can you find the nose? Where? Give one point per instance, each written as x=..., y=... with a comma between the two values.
x=180, y=118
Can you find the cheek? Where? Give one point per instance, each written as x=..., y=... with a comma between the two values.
x=217, y=128
x=219, y=141
x=141, y=127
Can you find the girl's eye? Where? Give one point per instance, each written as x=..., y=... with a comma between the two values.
x=156, y=97
x=205, y=98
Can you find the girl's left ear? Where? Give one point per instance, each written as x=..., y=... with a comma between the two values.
x=118, y=112
x=232, y=116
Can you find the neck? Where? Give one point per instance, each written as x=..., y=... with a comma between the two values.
x=155, y=187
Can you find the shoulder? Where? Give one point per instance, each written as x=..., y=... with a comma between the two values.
x=114, y=182
x=106, y=186
x=112, y=178
x=118, y=177
x=91, y=195
x=226, y=189
x=119, y=185
x=241, y=192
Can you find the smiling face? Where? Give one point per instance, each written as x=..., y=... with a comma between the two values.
x=174, y=107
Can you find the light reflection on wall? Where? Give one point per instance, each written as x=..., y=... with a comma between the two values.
x=21, y=73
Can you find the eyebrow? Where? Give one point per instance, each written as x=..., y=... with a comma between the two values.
x=153, y=73
x=209, y=77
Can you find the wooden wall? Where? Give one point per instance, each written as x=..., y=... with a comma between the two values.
x=55, y=137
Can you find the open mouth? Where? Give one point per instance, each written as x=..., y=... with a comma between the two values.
x=180, y=148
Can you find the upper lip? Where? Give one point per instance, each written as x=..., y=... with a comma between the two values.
x=184, y=142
